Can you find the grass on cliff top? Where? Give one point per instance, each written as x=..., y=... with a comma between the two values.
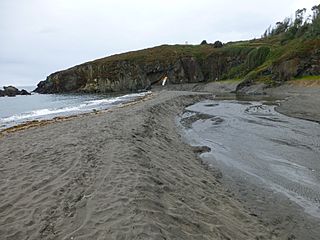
x=163, y=53
x=257, y=61
x=171, y=53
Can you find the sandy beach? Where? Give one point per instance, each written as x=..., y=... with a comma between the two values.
x=144, y=120
x=121, y=174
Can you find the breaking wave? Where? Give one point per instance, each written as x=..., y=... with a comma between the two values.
x=82, y=107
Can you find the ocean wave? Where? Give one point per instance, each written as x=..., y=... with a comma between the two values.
x=38, y=113
x=123, y=98
x=85, y=106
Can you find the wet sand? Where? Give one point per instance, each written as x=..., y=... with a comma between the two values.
x=270, y=161
x=124, y=174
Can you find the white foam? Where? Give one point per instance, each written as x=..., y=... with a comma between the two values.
x=87, y=106
x=116, y=99
x=38, y=113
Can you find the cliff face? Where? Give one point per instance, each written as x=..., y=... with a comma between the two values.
x=299, y=65
x=252, y=61
x=139, y=70
x=120, y=76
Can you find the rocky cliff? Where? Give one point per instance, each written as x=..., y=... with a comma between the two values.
x=135, y=70
x=252, y=61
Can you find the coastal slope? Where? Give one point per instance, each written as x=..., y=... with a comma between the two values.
x=266, y=61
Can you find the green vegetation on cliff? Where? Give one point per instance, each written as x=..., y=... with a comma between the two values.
x=289, y=50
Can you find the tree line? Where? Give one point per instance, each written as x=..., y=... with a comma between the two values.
x=300, y=25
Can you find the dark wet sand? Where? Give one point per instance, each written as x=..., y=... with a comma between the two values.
x=270, y=161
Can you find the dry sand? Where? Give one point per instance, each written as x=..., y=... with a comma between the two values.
x=124, y=174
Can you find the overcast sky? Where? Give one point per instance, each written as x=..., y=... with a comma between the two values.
x=39, y=37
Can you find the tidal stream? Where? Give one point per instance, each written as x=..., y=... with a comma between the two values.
x=265, y=147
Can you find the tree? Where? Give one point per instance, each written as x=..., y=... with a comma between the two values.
x=315, y=25
x=281, y=27
x=204, y=42
x=218, y=44
x=300, y=26
x=299, y=17
x=316, y=12
x=267, y=33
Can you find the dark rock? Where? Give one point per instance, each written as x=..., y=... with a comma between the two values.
x=24, y=92
x=286, y=70
x=201, y=149
x=11, y=91
x=121, y=76
x=307, y=64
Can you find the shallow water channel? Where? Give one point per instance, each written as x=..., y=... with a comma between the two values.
x=265, y=147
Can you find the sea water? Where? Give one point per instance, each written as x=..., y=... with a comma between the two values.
x=20, y=109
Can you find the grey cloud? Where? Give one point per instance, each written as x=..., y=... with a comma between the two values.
x=42, y=36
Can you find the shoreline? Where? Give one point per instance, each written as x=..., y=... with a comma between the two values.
x=39, y=123
x=290, y=95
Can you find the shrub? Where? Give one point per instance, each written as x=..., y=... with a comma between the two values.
x=256, y=57
x=204, y=42
x=218, y=44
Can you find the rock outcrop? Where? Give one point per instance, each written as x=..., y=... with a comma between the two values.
x=139, y=70
x=121, y=76
x=12, y=91
x=309, y=64
x=24, y=92
x=185, y=64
